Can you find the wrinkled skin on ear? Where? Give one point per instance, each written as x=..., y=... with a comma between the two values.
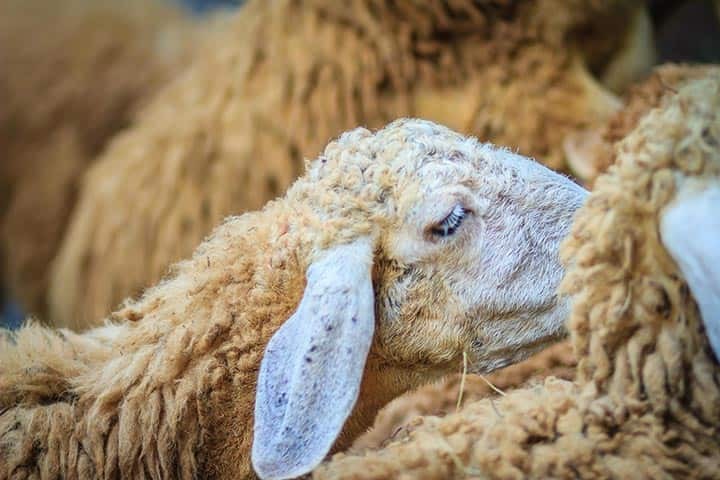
x=690, y=230
x=312, y=368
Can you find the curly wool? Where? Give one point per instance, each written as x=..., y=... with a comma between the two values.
x=175, y=371
x=64, y=93
x=647, y=399
x=280, y=80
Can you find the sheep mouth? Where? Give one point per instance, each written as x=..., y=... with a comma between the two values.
x=489, y=361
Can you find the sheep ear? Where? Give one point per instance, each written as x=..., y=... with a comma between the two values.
x=690, y=230
x=311, y=372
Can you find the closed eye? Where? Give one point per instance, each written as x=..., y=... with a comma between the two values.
x=450, y=224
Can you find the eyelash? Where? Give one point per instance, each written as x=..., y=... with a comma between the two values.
x=450, y=223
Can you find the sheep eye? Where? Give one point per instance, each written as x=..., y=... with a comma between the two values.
x=450, y=223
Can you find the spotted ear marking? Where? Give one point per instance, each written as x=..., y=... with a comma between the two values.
x=312, y=368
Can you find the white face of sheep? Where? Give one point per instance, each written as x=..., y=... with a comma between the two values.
x=465, y=261
x=473, y=266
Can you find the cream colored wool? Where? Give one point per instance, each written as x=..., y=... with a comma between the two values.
x=647, y=399
x=590, y=153
x=167, y=388
x=74, y=72
x=282, y=79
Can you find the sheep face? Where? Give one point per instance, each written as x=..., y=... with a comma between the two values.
x=471, y=261
x=426, y=245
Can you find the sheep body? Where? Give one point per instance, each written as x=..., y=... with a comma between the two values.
x=232, y=132
x=645, y=404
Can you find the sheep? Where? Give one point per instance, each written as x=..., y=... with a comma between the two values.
x=64, y=93
x=590, y=153
x=395, y=256
x=646, y=403
x=231, y=133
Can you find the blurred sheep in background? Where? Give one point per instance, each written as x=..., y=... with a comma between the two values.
x=74, y=72
x=281, y=78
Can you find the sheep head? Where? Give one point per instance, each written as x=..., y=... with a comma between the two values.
x=433, y=246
